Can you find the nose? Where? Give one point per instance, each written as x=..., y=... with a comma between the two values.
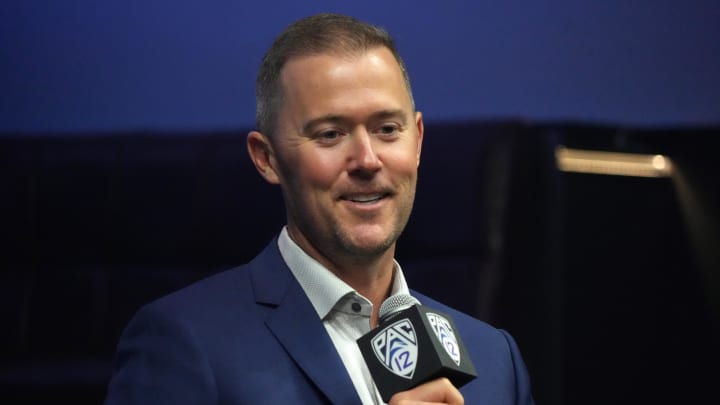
x=363, y=157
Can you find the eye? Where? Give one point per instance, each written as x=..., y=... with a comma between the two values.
x=329, y=136
x=388, y=130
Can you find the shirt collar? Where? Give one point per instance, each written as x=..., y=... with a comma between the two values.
x=323, y=288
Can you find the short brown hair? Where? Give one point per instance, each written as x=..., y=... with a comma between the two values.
x=314, y=35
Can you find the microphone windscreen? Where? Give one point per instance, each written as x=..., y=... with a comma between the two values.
x=395, y=304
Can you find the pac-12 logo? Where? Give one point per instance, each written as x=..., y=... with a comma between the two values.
x=396, y=348
x=446, y=336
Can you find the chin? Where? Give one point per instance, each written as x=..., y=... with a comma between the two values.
x=368, y=245
x=368, y=251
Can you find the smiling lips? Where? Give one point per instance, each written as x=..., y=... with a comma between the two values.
x=365, y=198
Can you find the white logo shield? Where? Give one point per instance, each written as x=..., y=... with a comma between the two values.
x=446, y=336
x=396, y=348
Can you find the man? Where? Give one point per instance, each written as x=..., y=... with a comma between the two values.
x=338, y=131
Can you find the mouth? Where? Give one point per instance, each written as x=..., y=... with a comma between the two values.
x=368, y=199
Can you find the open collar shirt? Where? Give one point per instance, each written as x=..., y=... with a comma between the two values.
x=344, y=312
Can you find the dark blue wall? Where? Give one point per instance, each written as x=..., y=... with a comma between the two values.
x=89, y=65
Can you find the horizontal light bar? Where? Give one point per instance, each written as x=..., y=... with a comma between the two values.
x=612, y=163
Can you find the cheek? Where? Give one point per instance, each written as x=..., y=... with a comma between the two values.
x=317, y=171
x=404, y=163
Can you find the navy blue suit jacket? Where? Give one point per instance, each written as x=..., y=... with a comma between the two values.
x=251, y=336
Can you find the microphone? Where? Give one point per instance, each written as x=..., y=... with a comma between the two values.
x=414, y=344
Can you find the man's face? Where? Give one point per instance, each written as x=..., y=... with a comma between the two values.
x=346, y=152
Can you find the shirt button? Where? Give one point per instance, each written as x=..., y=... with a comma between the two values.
x=356, y=307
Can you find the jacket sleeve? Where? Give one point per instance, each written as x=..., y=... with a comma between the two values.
x=158, y=361
x=523, y=393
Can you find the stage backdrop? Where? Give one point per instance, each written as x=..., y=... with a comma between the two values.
x=117, y=65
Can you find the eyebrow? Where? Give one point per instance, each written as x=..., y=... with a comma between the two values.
x=341, y=119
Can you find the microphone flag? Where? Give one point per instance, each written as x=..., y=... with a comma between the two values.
x=414, y=346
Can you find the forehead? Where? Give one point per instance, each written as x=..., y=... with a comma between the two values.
x=322, y=82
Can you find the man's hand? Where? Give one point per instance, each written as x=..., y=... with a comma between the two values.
x=439, y=391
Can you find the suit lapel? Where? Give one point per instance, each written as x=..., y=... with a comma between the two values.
x=297, y=327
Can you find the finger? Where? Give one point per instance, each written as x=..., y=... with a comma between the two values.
x=440, y=391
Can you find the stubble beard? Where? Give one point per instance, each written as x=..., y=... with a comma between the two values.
x=369, y=252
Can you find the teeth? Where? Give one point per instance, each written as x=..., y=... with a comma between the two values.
x=365, y=199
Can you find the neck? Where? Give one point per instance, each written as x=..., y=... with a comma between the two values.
x=373, y=279
x=374, y=283
x=370, y=275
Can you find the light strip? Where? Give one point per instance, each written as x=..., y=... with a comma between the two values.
x=612, y=163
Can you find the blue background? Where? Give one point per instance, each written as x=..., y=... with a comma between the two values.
x=92, y=65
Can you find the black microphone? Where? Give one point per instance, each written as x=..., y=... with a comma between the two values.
x=414, y=344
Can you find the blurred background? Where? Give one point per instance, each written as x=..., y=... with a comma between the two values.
x=124, y=176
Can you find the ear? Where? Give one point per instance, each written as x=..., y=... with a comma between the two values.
x=263, y=157
x=421, y=132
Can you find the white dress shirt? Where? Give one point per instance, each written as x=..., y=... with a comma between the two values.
x=344, y=312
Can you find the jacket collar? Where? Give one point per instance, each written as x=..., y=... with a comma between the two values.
x=297, y=327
